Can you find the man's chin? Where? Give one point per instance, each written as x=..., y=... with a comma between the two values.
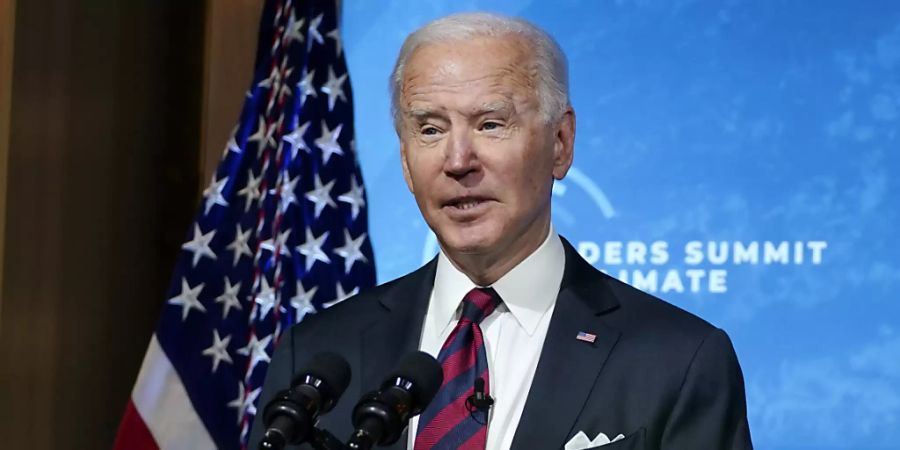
x=467, y=244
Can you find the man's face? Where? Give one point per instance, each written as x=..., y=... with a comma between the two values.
x=477, y=153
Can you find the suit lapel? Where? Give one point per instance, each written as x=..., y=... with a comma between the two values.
x=568, y=367
x=397, y=329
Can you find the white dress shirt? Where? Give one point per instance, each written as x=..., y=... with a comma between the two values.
x=514, y=333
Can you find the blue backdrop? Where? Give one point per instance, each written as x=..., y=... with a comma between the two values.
x=733, y=157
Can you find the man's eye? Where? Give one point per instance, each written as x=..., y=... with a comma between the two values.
x=429, y=131
x=489, y=126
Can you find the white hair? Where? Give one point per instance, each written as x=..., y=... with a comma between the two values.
x=551, y=64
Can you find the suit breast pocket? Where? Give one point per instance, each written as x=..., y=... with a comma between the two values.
x=634, y=441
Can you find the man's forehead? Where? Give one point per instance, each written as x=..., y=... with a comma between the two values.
x=472, y=76
x=468, y=58
x=431, y=108
x=476, y=42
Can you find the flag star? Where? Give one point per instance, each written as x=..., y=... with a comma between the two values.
x=282, y=74
x=274, y=77
x=199, y=245
x=284, y=71
x=288, y=196
x=244, y=403
x=266, y=82
x=327, y=142
x=229, y=298
x=240, y=245
x=280, y=243
x=321, y=195
x=266, y=299
x=270, y=131
x=218, y=351
x=314, y=34
x=302, y=301
x=295, y=138
x=285, y=90
x=213, y=194
x=187, y=299
x=312, y=249
x=334, y=88
x=239, y=403
x=250, y=406
x=250, y=192
x=293, y=29
x=232, y=145
x=256, y=351
x=351, y=251
x=341, y=295
x=306, y=87
x=260, y=134
x=336, y=35
x=355, y=197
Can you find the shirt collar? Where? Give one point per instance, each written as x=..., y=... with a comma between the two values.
x=528, y=290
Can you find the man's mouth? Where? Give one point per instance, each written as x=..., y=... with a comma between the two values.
x=465, y=203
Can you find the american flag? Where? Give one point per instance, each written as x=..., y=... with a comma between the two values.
x=586, y=337
x=281, y=233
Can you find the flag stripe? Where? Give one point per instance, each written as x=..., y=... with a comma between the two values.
x=133, y=432
x=163, y=404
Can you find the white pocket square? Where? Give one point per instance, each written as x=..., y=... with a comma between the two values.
x=581, y=441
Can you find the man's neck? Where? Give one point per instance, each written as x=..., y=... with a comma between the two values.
x=484, y=269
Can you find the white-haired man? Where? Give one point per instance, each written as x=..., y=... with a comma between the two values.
x=571, y=357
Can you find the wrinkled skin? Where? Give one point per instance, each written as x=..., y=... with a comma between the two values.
x=477, y=153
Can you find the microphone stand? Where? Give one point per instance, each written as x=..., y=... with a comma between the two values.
x=319, y=440
x=324, y=440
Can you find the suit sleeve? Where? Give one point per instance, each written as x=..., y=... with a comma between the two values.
x=711, y=409
x=278, y=377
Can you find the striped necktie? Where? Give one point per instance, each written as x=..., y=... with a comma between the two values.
x=447, y=423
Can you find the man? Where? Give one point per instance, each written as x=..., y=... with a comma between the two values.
x=481, y=107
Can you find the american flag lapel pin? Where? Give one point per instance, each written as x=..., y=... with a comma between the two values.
x=586, y=337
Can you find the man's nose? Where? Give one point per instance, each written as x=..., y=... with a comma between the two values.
x=460, y=158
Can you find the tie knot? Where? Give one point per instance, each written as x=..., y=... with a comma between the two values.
x=479, y=303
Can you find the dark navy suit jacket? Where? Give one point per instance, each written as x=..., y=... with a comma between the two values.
x=657, y=374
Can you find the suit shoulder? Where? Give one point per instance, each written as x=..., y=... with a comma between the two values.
x=358, y=310
x=674, y=337
x=627, y=307
x=654, y=312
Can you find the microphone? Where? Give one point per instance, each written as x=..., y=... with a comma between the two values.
x=381, y=416
x=290, y=417
x=478, y=401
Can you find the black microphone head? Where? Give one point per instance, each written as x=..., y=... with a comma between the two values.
x=425, y=374
x=291, y=416
x=329, y=367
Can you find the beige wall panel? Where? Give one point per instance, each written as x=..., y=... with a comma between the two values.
x=101, y=187
x=7, y=33
x=231, y=35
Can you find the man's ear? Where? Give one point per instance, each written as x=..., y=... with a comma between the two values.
x=564, y=144
x=405, y=166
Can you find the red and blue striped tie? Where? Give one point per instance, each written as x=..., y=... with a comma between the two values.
x=448, y=423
